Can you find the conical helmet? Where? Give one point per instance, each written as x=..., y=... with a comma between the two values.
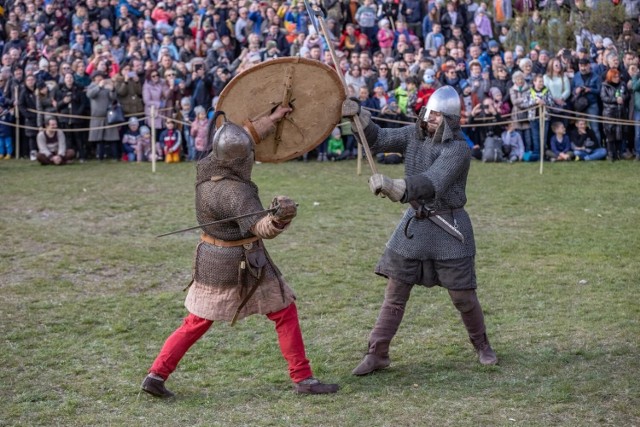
x=444, y=100
x=231, y=142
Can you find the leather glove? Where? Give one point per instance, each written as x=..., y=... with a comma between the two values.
x=394, y=189
x=287, y=209
x=350, y=107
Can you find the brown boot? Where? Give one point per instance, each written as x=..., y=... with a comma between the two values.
x=486, y=355
x=314, y=386
x=371, y=362
x=155, y=387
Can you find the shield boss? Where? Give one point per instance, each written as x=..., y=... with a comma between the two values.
x=313, y=89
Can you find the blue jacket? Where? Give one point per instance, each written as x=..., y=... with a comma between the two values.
x=6, y=130
x=591, y=81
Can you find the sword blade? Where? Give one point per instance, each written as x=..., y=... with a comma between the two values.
x=220, y=221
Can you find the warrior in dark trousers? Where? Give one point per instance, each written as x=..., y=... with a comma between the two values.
x=433, y=244
x=234, y=276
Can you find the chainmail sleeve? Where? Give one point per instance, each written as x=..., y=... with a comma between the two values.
x=388, y=140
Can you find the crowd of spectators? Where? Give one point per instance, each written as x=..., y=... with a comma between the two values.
x=66, y=63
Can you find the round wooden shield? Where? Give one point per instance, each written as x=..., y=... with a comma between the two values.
x=312, y=88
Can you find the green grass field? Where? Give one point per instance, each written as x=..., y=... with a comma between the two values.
x=88, y=295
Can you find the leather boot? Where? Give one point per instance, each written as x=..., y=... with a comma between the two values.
x=486, y=355
x=155, y=387
x=314, y=386
x=467, y=303
x=370, y=363
x=387, y=324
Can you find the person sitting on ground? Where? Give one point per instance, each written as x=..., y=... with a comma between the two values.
x=512, y=144
x=560, y=144
x=143, y=150
x=585, y=144
x=52, y=145
x=335, y=146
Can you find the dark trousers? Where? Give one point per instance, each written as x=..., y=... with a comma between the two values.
x=392, y=311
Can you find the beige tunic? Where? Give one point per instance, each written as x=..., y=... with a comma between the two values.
x=219, y=303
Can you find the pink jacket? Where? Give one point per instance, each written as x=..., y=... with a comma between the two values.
x=199, y=133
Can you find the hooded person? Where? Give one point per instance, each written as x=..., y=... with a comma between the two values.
x=234, y=276
x=434, y=243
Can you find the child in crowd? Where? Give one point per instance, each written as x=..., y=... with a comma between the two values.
x=171, y=142
x=434, y=39
x=143, y=150
x=335, y=146
x=6, y=131
x=560, y=144
x=501, y=106
x=130, y=140
x=585, y=144
x=512, y=144
x=538, y=95
x=199, y=132
x=185, y=115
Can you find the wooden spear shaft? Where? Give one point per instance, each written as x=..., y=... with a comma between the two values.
x=355, y=119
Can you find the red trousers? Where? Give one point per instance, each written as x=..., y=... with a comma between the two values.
x=193, y=327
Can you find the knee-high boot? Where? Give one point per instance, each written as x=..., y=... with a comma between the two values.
x=387, y=324
x=467, y=303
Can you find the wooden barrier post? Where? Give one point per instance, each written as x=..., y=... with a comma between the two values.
x=153, y=138
x=17, y=114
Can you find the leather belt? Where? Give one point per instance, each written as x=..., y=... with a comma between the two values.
x=434, y=216
x=227, y=243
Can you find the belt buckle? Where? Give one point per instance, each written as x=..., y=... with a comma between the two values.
x=248, y=246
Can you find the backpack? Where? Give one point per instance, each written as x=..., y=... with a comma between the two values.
x=492, y=151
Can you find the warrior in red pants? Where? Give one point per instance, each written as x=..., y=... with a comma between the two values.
x=234, y=276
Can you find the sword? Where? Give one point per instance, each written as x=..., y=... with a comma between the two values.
x=270, y=210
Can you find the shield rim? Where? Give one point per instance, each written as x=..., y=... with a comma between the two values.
x=287, y=60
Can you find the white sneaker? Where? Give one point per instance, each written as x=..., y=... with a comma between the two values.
x=32, y=155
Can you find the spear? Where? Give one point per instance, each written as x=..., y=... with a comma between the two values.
x=318, y=15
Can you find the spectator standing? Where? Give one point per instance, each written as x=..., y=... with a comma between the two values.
x=154, y=93
x=587, y=83
x=199, y=129
x=27, y=105
x=519, y=95
x=171, y=142
x=129, y=90
x=72, y=101
x=635, y=94
x=102, y=94
x=558, y=84
x=45, y=103
x=614, y=95
x=538, y=96
x=6, y=130
x=366, y=18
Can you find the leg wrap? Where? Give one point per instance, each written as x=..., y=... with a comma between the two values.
x=390, y=317
x=469, y=307
x=291, y=342
x=175, y=347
